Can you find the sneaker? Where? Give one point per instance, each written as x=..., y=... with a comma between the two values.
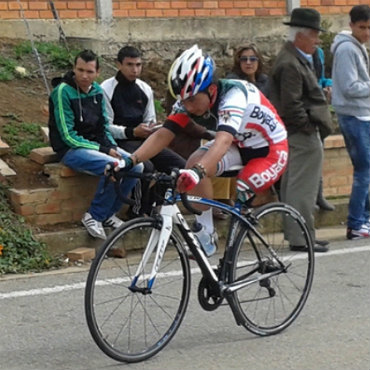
x=208, y=241
x=113, y=222
x=363, y=232
x=367, y=224
x=93, y=227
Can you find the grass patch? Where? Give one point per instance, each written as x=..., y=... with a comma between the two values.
x=7, y=68
x=19, y=251
x=22, y=137
x=56, y=54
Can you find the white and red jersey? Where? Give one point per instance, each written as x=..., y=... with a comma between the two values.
x=250, y=118
x=243, y=111
x=258, y=131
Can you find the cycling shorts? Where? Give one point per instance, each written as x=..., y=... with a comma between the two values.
x=258, y=168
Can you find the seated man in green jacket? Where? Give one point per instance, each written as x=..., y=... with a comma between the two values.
x=79, y=134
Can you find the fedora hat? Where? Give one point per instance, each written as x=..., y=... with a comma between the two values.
x=305, y=17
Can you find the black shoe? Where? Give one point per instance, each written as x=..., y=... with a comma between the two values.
x=218, y=214
x=323, y=243
x=325, y=205
x=302, y=248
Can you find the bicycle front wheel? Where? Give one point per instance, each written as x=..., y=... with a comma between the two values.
x=270, y=305
x=129, y=325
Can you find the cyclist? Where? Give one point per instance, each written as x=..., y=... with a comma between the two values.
x=249, y=132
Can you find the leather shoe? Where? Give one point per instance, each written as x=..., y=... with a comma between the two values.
x=218, y=214
x=302, y=248
x=322, y=242
x=325, y=205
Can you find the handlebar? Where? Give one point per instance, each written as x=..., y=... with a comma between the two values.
x=159, y=177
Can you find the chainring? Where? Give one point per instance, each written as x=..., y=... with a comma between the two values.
x=208, y=296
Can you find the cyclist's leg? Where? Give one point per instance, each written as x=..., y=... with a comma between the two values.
x=205, y=187
x=262, y=172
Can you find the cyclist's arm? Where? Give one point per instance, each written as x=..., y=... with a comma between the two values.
x=154, y=144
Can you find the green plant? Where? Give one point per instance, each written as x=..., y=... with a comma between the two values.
x=19, y=250
x=22, y=137
x=159, y=110
x=7, y=68
x=55, y=53
x=158, y=106
x=326, y=41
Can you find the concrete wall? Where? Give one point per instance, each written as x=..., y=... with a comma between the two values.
x=159, y=27
x=160, y=37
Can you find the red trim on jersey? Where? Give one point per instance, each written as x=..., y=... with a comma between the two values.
x=181, y=119
x=267, y=103
x=261, y=129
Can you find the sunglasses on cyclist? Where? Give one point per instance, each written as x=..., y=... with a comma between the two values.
x=249, y=59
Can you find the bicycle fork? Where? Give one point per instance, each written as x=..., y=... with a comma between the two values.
x=158, y=239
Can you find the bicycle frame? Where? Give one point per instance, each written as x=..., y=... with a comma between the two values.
x=132, y=318
x=170, y=214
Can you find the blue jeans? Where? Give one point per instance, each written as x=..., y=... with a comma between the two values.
x=106, y=202
x=356, y=135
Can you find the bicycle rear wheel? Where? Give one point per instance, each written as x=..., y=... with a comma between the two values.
x=270, y=305
x=133, y=326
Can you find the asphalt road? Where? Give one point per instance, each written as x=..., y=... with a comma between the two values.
x=42, y=325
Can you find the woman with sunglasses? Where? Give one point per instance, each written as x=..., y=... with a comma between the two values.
x=248, y=65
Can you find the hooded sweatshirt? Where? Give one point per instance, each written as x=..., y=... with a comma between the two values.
x=350, y=75
x=78, y=119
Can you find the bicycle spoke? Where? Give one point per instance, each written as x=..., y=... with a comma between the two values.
x=272, y=303
x=131, y=325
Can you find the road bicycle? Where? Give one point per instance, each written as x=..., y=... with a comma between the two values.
x=135, y=305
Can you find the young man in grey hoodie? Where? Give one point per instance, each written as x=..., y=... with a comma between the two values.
x=351, y=101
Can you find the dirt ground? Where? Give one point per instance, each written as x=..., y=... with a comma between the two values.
x=23, y=99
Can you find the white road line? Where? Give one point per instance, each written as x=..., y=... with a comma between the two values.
x=64, y=288
x=42, y=291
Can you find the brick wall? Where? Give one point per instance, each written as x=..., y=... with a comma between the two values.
x=77, y=9
x=337, y=169
x=66, y=201
x=71, y=192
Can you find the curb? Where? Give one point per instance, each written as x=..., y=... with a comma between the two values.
x=330, y=226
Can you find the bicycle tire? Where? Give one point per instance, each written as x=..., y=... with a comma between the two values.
x=133, y=326
x=271, y=305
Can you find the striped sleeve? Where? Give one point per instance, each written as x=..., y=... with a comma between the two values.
x=64, y=117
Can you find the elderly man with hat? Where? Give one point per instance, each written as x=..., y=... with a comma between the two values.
x=302, y=105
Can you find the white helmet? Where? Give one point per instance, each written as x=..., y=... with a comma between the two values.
x=190, y=73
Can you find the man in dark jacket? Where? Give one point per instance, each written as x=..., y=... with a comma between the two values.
x=79, y=134
x=131, y=111
x=302, y=105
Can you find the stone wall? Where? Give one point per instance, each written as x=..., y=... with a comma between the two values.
x=70, y=193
